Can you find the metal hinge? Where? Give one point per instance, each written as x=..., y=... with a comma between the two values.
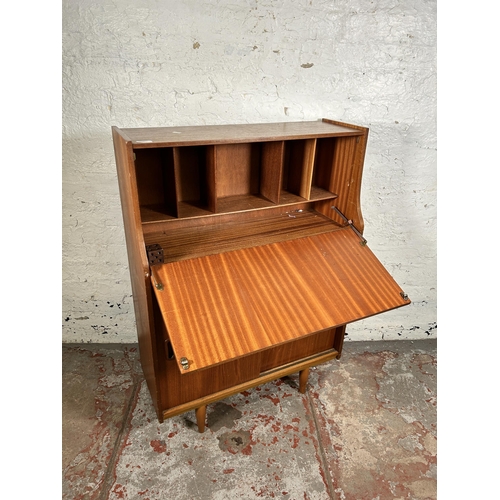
x=155, y=254
x=155, y=257
x=352, y=226
x=157, y=284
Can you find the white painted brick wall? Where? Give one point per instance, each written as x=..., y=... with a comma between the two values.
x=162, y=63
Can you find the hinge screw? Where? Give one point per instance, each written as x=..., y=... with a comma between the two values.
x=404, y=295
x=184, y=363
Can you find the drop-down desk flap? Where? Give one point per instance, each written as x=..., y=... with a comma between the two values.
x=221, y=307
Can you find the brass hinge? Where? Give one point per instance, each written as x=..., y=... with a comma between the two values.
x=351, y=225
x=157, y=284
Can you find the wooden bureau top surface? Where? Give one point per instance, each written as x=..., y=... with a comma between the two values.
x=223, y=134
x=224, y=306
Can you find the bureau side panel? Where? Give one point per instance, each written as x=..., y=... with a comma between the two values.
x=347, y=166
x=138, y=264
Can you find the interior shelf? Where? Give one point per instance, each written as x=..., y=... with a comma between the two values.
x=319, y=194
x=231, y=204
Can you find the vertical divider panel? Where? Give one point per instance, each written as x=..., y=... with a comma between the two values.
x=185, y=168
x=299, y=166
x=307, y=168
x=272, y=170
x=211, y=159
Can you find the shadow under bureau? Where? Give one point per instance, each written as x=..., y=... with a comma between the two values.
x=246, y=253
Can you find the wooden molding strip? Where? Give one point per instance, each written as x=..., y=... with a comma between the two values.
x=265, y=377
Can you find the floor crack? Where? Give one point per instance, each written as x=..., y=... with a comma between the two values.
x=109, y=478
x=322, y=454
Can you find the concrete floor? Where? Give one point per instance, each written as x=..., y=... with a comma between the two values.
x=365, y=429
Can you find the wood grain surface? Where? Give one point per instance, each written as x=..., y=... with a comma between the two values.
x=197, y=241
x=224, y=306
x=226, y=134
x=138, y=265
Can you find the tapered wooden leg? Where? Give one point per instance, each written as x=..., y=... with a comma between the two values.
x=303, y=376
x=338, y=343
x=201, y=413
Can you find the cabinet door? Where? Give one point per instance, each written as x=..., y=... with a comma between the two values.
x=225, y=306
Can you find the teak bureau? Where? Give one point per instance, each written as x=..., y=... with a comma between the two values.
x=246, y=253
